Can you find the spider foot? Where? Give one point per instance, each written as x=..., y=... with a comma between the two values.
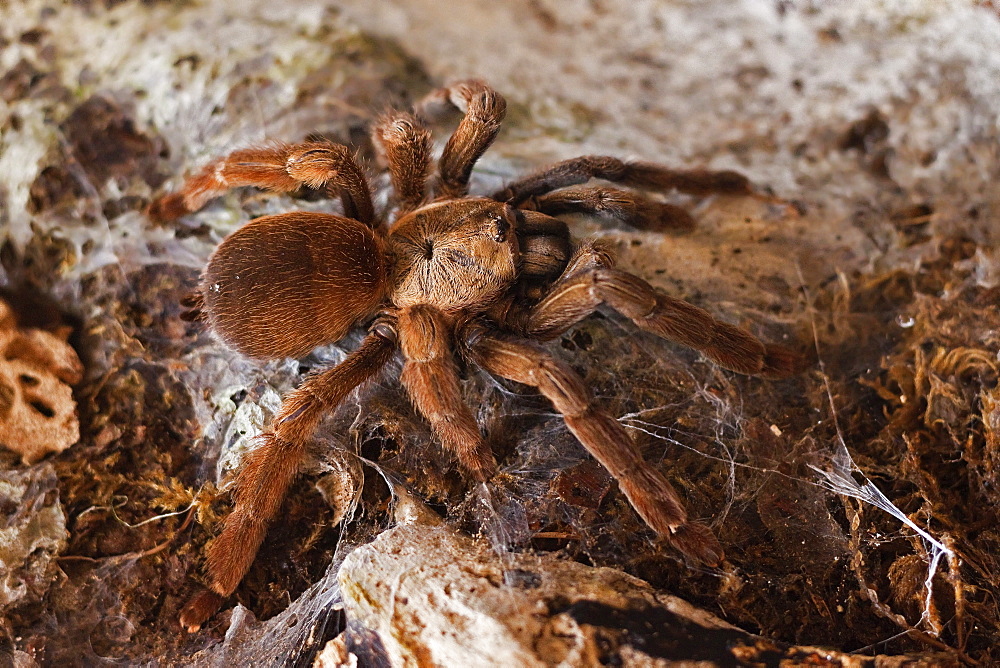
x=199, y=608
x=698, y=542
x=782, y=362
x=167, y=208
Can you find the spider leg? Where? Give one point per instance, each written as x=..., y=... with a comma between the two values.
x=628, y=207
x=431, y=379
x=649, y=492
x=634, y=174
x=589, y=281
x=407, y=147
x=267, y=472
x=484, y=111
x=282, y=168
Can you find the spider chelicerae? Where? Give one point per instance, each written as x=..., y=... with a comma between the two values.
x=448, y=277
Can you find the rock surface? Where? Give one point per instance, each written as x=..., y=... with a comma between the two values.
x=422, y=594
x=34, y=531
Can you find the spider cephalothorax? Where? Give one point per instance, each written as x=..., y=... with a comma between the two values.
x=454, y=255
x=452, y=276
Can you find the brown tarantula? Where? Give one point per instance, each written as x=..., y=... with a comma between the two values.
x=452, y=277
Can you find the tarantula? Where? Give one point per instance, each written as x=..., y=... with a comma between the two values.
x=452, y=277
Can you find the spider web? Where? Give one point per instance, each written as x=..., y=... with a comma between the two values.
x=843, y=476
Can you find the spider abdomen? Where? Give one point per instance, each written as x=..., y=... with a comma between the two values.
x=282, y=285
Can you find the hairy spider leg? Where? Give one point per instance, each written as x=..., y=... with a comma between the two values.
x=649, y=492
x=484, y=111
x=431, y=379
x=266, y=473
x=593, y=282
x=548, y=190
x=636, y=174
x=625, y=206
x=406, y=144
x=281, y=168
